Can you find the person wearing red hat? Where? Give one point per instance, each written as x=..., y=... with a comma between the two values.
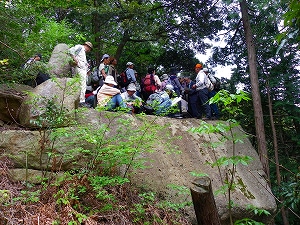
x=202, y=91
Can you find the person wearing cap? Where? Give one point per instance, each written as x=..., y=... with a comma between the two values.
x=109, y=96
x=35, y=58
x=164, y=79
x=130, y=98
x=202, y=91
x=78, y=54
x=104, y=67
x=130, y=72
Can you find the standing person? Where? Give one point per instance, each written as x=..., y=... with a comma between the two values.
x=150, y=84
x=78, y=53
x=202, y=91
x=137, y=84
x=212, y=93
x=191, y=98
x=130, y=73
x=103, y=67
x=112, y=67
x=174, y=81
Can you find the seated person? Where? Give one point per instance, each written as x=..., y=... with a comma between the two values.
x=130, y=98
x=160, y=103
x=109, y=96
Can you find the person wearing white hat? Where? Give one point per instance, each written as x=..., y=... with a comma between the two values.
x=78, y=54
x=104, y=66
x=109, y=96
x=131, y=99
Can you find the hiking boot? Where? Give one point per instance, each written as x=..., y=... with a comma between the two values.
x=84, y=105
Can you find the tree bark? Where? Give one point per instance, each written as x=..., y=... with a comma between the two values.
x=258, y=113
x=204, y=202
x=275, y=146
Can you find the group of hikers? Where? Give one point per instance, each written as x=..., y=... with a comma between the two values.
x=164, y=95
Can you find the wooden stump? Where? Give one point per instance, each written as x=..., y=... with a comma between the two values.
x=204, y=202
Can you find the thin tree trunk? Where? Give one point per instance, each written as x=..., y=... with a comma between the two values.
x=275, y=145
x=122, y=44
x=258, y=113
x=96, y=32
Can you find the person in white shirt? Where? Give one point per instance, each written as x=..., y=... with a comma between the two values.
x=202, y=91
x=78, y=53
x=130, y=98
x=214, y=108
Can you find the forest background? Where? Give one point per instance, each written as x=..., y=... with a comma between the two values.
x=165, y=34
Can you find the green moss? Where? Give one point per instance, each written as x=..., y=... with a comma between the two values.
x=243, y=189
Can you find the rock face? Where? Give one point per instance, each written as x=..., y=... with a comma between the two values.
x=164, y=165
x=59, y=61
x=11, y=98
x=50, y=97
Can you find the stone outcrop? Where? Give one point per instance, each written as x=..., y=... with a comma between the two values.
x=59, y=62
x=163, y=166
x=62, y=93
x=11, y=98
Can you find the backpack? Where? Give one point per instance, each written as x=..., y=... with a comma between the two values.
x=148, y=83
x=123, y=80
x=95, y=78
x=217, y=86
x=209, y=84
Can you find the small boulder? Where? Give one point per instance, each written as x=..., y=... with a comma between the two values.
x=50, y=102
x=11, y=98
x=59, y=61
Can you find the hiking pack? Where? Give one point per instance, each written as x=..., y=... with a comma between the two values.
x=217, y=86
x=123, y=80
x=148, y=83
x=209, y=84
x=95, y=77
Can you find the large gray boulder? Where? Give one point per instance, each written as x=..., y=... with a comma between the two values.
x=164, y=166
x=59, y=61
x=11, y=98
x=48, y=100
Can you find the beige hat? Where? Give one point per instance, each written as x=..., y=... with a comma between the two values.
x=89, y=44
x=131, y=87
x=110, y=80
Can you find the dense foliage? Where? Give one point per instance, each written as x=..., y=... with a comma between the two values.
x=169, y=33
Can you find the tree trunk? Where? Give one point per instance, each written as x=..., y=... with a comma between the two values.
x=204, y=202
x=258, y=113
x=122, y=44
x=275, y=145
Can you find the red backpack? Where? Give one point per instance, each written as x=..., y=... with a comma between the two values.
x=149, y=83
